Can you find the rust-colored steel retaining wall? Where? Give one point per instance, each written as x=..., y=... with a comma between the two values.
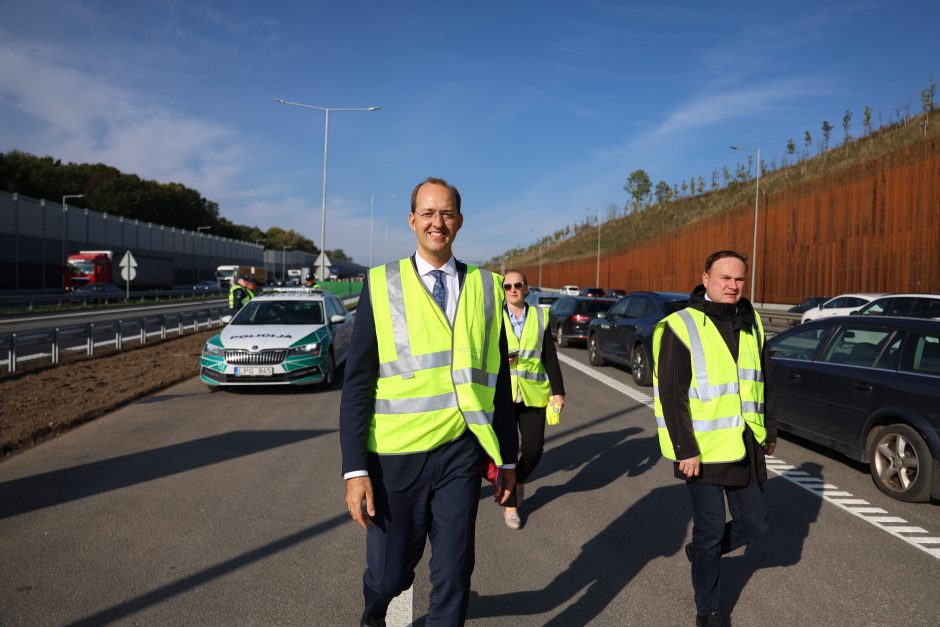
x=874, y=227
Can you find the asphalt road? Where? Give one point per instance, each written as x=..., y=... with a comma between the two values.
x=191, y=508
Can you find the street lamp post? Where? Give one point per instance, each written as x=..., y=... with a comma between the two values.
x=199, y=230
x=65, y=232
x=597, y=275
x=326, y=135
x=753, y=263
x=284, y=264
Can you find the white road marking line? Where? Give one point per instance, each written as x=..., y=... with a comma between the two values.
x=828, y=492
x=400, y=611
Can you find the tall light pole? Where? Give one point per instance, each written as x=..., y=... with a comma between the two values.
x=284, y=264
x=199, y=230
x=753, y=263
x=597, y=276
x=326, y=136
x=65, y=221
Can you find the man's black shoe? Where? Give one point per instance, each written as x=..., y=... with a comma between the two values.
x=709, y=620
x=688, y=551
x=372, y=622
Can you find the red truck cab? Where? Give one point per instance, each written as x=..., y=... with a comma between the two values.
x=88, y=266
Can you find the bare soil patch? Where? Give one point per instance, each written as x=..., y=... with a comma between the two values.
x=47, y=400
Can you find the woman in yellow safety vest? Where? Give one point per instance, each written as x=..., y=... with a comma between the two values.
x=536, y=381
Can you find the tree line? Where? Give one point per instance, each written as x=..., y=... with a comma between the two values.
x=108, y=190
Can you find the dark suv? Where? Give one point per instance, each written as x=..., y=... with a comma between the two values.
x=568, y=316
x=625, y=334
x=869, y=388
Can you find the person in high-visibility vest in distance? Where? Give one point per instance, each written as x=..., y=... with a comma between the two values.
x=715, y=418
x=242, y=291
x=536, y=381
x=426, y=396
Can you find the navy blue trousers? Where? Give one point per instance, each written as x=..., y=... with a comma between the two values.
x=712, y=537
x=440, y=505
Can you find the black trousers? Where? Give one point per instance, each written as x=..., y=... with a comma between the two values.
x=531, y=422
x=440, y=505
x=712, y=537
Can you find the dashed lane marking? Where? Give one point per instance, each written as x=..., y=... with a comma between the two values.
x=898, y=527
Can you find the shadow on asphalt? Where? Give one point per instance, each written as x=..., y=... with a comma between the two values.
x=655, y=526
x=187, y=584
x=28, y=494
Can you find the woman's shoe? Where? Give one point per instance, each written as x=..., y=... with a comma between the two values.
x=511, y=518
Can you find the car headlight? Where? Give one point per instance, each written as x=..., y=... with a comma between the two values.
x=306, y=349
x=212, y=349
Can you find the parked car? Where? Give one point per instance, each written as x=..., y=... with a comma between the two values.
x=808, y=303
x=869, y=388
x=570, y=290
x=592, y=292
x=624, y=334
x=905, y=305
x=206, y=286
x=841, y=305
x=289, y=337
x=616, y=293
x=568, y=317
x=97, y=293
x=541, y=299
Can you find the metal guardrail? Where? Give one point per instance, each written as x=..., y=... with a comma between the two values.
x=52, y=343
x=87, y=338
x=30, y=301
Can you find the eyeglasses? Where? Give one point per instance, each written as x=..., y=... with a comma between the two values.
x=518, y=285
x=447, y=216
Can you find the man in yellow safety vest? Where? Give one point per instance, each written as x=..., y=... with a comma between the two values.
x=711, y=383
x=426, y=395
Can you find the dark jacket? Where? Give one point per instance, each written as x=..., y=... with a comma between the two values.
x=355, y=413
x=675, y=377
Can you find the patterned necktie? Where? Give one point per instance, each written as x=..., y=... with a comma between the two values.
x=439, y=292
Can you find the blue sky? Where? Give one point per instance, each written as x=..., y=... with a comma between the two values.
x=536, y=110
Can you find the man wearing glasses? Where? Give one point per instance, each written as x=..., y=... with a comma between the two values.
x=426, y=395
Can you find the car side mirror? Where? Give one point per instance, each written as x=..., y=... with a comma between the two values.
x=226, y=319
x=819, y=306
x=337, y=318
x=854, y=313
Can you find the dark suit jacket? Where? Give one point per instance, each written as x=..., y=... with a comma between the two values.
x=355, y=414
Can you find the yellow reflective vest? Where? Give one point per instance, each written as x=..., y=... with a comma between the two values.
x=231, y=295
x=528, y=373
x=435, y=380
x=723, y=394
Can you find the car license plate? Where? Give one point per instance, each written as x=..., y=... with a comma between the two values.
x=254, y=371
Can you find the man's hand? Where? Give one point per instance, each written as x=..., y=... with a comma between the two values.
x=560, y=401
x=506, y=485
x=690, y=467
x=770, y=447
x=357, y=490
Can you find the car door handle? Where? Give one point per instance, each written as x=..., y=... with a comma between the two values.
x=794, y=375
x=863, y=387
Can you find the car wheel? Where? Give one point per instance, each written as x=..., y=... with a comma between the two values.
x=329, y=371
x=901, y=464
x=594, y=352
x=640, y=366
x=560, y=338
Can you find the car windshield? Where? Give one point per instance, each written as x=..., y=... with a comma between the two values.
x=81, y=266
x=280, y=312
x=675, y=305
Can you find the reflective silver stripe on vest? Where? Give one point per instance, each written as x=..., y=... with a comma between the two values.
x=415, y=405
x=708, y=425
x=711, y=392
x=752, y=407
x=414, y=363
x=531, y=376
x=697, y=349
x=478, y=417
x=474, y=375
x=489, y=305
x=530, y=354
x=746, y=374
x=396, y=305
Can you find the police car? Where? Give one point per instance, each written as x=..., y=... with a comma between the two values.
x=288, y=337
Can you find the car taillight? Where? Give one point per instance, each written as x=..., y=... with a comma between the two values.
x=580, y=318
